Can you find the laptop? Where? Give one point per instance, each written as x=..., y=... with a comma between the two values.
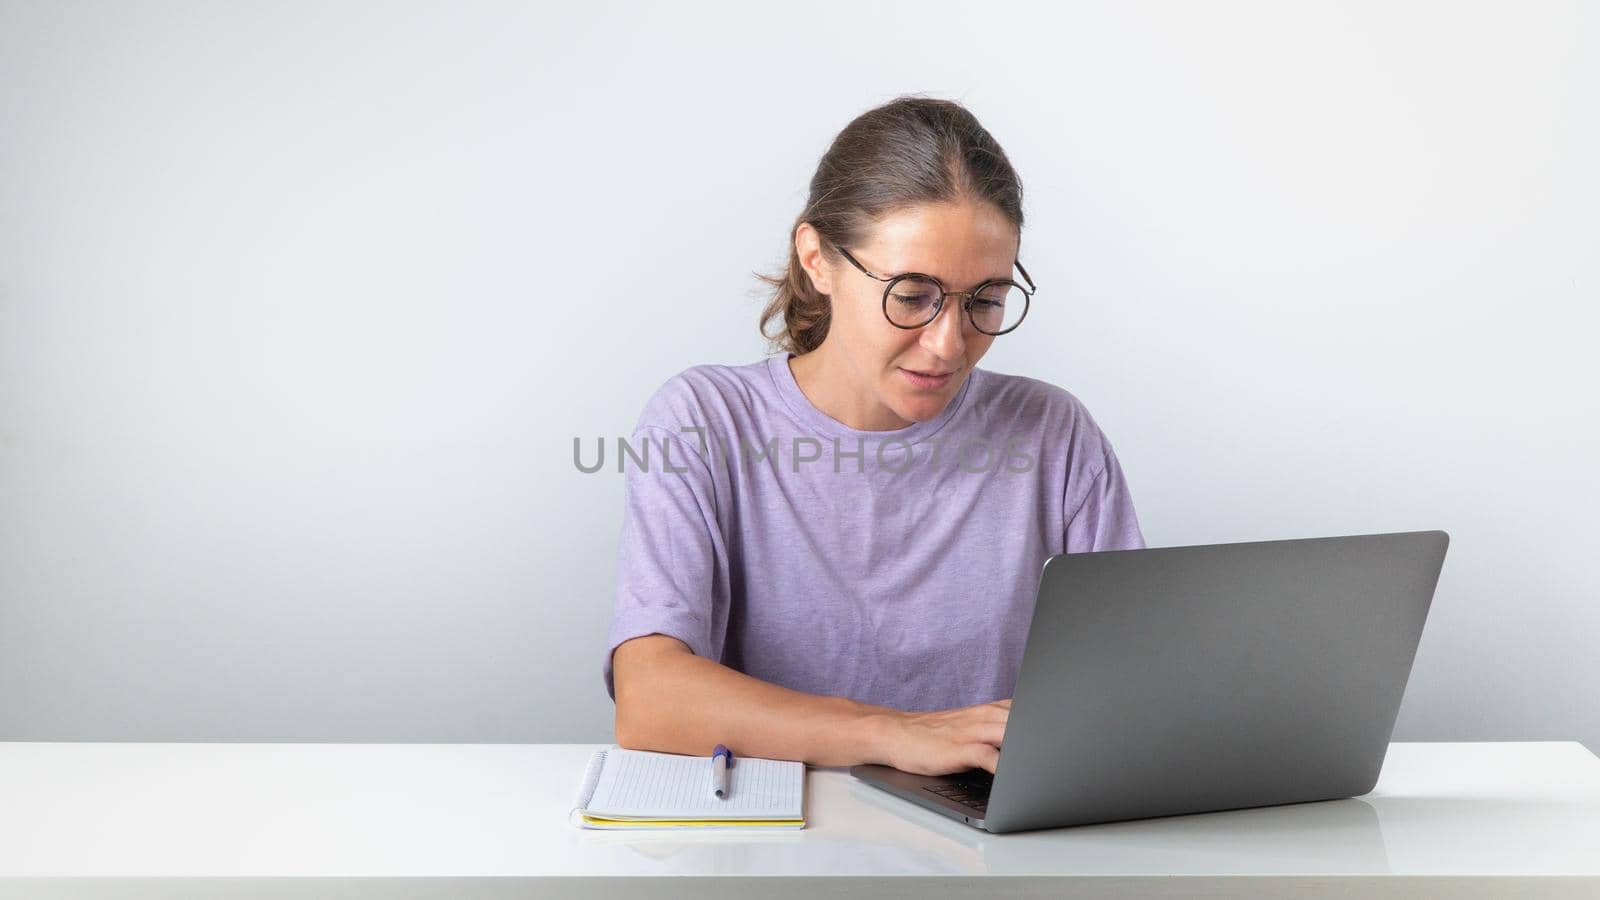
x=1179, y=680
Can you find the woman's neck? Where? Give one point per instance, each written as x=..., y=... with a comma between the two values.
x=828, y=385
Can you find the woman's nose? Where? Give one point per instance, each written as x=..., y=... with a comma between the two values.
x=943, y=336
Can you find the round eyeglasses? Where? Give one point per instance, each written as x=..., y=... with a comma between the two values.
x=912, y=299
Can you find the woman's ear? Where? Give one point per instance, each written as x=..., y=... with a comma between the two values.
x=808, y=249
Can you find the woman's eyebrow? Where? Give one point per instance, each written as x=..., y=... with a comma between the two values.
x=946, y=284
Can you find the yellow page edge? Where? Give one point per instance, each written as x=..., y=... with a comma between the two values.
x=602, y=820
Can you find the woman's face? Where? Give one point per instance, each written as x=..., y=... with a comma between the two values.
x=866, y=364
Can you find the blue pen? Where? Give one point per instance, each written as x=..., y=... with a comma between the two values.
x=720, y=758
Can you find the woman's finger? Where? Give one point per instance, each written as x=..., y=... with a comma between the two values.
x=983, y=756
x=987, y=732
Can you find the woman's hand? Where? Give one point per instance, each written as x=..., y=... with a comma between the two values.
x=950, y=740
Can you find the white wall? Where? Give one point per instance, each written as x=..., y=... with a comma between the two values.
x=302, y=307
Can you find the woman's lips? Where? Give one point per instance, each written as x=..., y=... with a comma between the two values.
x=926, y=381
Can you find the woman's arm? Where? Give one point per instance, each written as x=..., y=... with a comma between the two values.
x=670, y=700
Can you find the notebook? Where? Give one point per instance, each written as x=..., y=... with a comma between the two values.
x=643, y=789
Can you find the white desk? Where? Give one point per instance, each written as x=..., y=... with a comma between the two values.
x=490, y=820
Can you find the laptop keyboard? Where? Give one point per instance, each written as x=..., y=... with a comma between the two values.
x=970, y=789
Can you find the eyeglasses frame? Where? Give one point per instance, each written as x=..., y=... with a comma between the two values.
x=966, y=305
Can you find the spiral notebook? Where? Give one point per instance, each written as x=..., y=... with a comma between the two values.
x=643, y=789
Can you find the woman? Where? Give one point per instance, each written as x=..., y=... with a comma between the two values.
x=834, y=557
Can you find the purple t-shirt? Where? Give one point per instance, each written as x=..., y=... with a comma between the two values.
x=897, y=568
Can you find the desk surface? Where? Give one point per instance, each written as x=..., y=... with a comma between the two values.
x=1443, y=818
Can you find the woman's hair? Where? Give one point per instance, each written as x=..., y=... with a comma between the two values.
x=909, y=151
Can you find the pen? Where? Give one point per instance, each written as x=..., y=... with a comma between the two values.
x=720, y=758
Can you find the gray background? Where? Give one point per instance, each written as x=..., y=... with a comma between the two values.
x=301, y=308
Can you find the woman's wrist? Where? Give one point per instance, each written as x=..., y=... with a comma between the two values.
x=878, y=734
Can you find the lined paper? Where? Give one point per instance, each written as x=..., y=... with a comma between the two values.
x=644, y=784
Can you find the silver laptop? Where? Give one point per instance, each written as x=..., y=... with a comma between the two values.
x=1180, y=680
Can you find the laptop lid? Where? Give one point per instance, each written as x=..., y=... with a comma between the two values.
x=1187, y=679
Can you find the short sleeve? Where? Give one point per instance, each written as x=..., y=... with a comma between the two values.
x=672, y=563
x=1105, y=519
